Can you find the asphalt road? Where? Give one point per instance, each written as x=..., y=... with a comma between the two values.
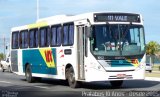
x=12, y=85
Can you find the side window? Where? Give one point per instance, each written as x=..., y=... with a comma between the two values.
x=56, y=35
x=15, y=38
x=44, y=37
x=33, y=38
x=59, y=35
x=65, y=34
x=24, y=39
x=68, y=34
x=71, y=34
x=48, y=36
x=53, y=36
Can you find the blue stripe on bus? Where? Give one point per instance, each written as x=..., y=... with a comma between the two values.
x=122, y=63
x=38, y=64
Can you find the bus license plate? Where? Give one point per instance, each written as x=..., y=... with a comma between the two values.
x=121, y=75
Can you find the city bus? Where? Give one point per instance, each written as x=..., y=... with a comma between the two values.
x=89, y=47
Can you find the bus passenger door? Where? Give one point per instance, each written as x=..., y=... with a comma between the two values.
x=80, y=51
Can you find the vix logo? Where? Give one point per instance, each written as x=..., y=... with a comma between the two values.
x=135, y=62
x=48, y=57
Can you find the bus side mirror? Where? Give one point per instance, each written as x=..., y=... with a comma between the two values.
x=88, y=32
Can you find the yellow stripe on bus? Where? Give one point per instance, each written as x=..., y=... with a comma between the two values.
x=48, y=57
x=36, y=25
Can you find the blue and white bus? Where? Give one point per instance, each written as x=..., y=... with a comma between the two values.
x=97, y=46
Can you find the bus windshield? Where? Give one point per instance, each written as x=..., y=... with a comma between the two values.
x=117, y=40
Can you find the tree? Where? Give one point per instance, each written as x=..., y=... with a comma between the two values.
x=1, y=56
x=152, y=49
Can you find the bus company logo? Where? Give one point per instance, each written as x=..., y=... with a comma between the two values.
x=135, y=62
x=48, y=57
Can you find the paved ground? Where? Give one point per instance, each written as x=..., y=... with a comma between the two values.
x=16, y=86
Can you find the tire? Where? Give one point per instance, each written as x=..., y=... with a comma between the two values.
x=150, y=71
x=3, y=69
x=117, y=83
x=37, y=79
x=28, y=74
x=70, y=75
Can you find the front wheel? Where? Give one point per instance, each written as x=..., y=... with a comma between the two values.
x=150, y=71
x=117, y=83
x=2, y=68
x=71, y=78
x=28, y=74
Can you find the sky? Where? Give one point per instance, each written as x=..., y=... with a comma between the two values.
x=21, y=12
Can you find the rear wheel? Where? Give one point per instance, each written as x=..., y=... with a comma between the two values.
x=70, y=75
x=28, y=74
x=37, y=79
x=117, y=83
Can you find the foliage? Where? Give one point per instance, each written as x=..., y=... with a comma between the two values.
x=152, y=48
x=1, y=56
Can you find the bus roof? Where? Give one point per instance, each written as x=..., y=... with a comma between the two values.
x=58, y=19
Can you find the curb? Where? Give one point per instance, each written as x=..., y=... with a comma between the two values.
x=152, y=78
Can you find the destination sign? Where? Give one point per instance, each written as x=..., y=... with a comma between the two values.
x=116, y=17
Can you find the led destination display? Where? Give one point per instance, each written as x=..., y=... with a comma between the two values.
x=115, y=17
